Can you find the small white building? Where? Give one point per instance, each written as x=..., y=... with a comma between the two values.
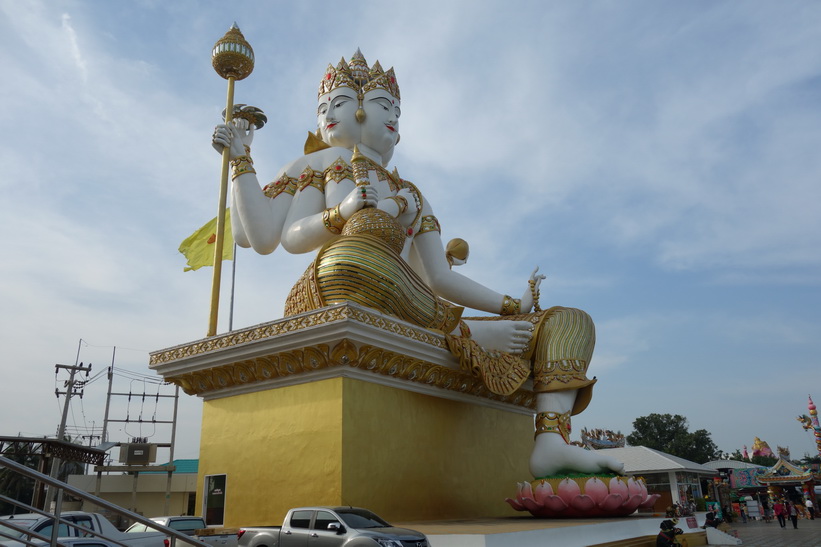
x=144, y=493
x=677, y=480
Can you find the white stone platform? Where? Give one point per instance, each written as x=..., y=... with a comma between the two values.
x=530, y=532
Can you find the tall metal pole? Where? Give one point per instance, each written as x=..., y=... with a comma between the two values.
x=223, y=198
x=108, y=396
x=61, y=431
x=233, y=59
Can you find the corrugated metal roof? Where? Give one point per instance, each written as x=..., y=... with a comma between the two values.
x=183, y=466
x=640, y=459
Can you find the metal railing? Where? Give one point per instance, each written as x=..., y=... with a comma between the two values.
x=61, y=489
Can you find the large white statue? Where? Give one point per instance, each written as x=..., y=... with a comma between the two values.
x=369, y=225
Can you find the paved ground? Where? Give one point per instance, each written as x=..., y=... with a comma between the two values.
x=757, y=533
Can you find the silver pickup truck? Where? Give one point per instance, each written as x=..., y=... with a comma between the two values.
x=331, y=527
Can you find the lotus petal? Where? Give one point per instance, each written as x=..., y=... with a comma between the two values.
x=650, y=501
x=516, y=505
x=531, y=505
x=617, y=486
x=525, y=490
x=596, y=489
x=583, y=503
x=555, y=504
x=543, y=490
x=631, y=504
x=612, y=502
x=634, y=487
x=568, y=489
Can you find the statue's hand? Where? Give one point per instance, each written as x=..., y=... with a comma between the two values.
x=361, y=196
x=221, y=138
x=530, y=296
x=238, y=135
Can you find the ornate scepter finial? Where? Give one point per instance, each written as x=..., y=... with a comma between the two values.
x=232, y=56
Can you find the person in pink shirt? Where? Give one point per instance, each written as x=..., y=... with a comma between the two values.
x=780, y=513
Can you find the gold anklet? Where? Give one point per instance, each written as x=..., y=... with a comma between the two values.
x=553, y=422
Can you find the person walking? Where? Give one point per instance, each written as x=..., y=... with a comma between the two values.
x=811, y=508
x=780, y=513
x=792, y=512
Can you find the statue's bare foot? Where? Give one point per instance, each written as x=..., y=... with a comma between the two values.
x=507, y=336
x=551, y=455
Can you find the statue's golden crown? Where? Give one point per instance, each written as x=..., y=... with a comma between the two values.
x=358, y=76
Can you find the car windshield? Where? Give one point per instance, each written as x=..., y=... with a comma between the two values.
x=189, y=526
x=22, y=523
x=361, y=518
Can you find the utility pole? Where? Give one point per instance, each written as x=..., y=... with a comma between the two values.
x=69, y=392
x=90, y=441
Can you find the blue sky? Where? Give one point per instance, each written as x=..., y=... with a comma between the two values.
x=657, y=159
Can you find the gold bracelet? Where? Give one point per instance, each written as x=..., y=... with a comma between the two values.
x=534, y=292
x=242, y=165
x=402, y=203
x=511, y=306
x=333, y=220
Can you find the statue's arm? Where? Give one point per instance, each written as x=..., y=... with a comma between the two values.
x=449, y=284
x=305, y=228
x=454, y=286
x=256, y=220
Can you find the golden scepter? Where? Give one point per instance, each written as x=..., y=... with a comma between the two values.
x=233, y=59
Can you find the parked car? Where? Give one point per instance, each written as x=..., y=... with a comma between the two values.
x=331, y=527
x=78, y=542
x=192, y=526
x=185, y=524
x=43, y=525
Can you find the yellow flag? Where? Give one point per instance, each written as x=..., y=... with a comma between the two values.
x=198, y=248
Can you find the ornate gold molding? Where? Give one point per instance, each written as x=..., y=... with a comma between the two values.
x=293, y=324
x=343, y=354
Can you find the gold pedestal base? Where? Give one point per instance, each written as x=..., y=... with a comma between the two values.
x=404, y=455
x=345, y=406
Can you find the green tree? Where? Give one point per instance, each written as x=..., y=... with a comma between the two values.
x=13, y=484
x=670, y=433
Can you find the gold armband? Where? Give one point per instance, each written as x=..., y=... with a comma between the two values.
x=511, y=306
x=402, y=203
x=242, y=165
x=429, y=224
x=332, y=220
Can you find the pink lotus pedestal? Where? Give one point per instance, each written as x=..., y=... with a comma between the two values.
x=582, y=497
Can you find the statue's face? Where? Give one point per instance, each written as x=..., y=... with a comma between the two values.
x=336, y=118
x=381, y=128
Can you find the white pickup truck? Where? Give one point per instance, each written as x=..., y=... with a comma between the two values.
x=194, y=527
x=331, y=527
x=80, y=521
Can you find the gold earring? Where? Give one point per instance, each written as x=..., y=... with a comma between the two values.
x=360, y=112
